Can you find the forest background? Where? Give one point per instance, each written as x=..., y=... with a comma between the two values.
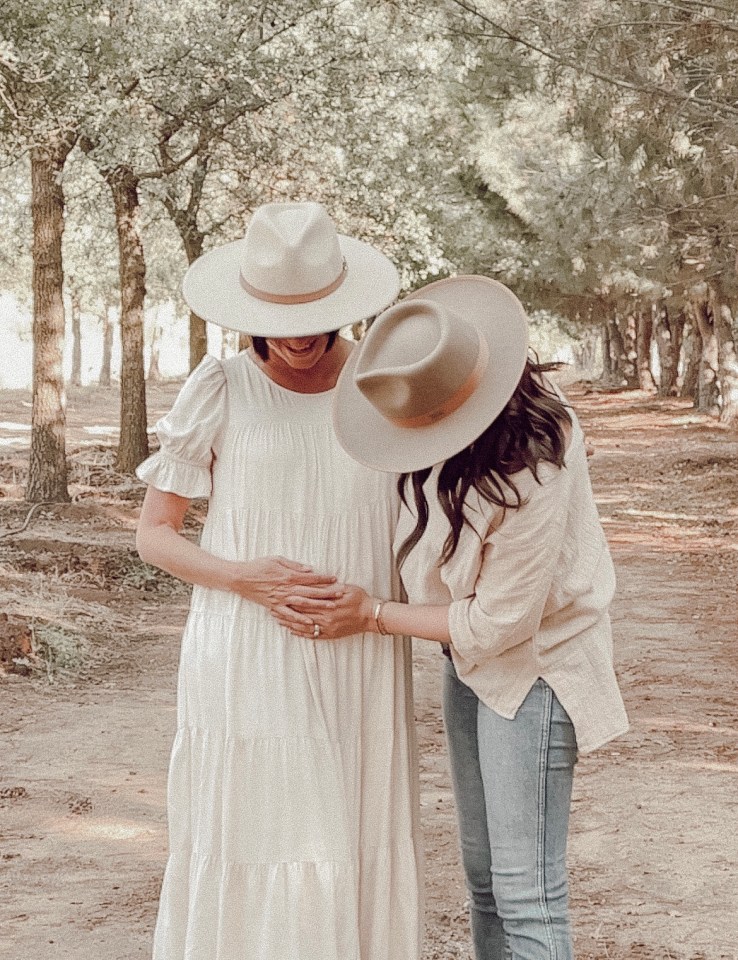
x=585, y=153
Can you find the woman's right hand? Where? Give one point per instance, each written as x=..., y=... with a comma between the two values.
x=270, y=581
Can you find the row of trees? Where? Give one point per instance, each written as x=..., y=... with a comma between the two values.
x=194, y=111
x=582, y=151
x=605, y=153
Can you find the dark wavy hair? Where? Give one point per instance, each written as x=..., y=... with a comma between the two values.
x=530, y=429
x=261, y=347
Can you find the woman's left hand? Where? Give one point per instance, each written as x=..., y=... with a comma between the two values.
x=352, y=613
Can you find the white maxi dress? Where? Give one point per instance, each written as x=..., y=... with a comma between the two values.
x=292, y=795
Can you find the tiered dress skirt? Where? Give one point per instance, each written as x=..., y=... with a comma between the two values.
x=292, y=798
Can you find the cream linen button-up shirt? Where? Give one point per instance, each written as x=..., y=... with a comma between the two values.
x=529, y=595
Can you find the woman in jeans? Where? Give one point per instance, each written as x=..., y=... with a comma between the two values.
x=506, y=565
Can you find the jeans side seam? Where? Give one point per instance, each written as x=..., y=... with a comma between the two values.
x=544, y=747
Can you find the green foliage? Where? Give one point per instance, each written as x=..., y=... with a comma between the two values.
x=582, y=151
x=58, y=649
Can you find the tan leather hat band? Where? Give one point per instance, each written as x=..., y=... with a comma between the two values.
x=452, y=403
x=291, y=298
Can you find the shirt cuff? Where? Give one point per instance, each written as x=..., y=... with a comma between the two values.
x=460, y=632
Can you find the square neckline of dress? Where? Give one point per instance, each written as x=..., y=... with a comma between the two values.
x=273, y=383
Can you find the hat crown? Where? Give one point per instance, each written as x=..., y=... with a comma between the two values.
x=291, y=249
x=417, y=360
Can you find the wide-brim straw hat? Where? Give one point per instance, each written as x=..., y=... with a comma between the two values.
x=292, y=275
x=433, y=372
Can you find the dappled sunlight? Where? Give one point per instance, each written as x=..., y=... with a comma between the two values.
x=662, y=537
x=104, y=830
x=601, y=499
x=102, y=431
x=708, y=766
x=664, y=518
x=10, y=425
x=683, y=725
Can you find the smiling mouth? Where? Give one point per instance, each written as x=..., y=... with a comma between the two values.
x=301, y=351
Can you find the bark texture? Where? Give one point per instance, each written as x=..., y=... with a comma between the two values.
x=184, y=217
x=692, y=353
x=621, y=330
x=644, y=337
x=154, y=374
x=585, y=353
x=76, y=377
x=727, y=357
x=107, y=350
x=193, y=242
x=708, y=389
x=133, y=446
x=606, y=355
x=669, y=326
x=47, y=474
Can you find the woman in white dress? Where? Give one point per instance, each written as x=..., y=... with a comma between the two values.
x=292, y=798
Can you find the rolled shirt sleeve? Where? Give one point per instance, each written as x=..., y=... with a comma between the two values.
x=187, y=435
x=519, y=563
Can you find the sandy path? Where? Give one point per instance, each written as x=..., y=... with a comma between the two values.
x=654, y=849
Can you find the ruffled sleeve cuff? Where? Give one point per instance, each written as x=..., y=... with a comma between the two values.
x=167, y=473
x=189, y=434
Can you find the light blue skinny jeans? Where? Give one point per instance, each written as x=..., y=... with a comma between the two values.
x=512, y=781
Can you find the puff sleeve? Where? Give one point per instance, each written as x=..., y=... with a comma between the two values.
x=188, y=434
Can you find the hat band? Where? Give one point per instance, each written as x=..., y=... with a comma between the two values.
x=452, y=403
x=289, y=298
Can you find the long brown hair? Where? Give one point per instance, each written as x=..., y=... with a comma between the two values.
x=530, y=429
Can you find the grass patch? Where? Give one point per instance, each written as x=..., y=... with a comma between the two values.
x=57, y=649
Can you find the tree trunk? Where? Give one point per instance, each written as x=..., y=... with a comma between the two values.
x=692, y=355
x=626, y=323
x=154, y=371
x=47, y=474
x=708, y=387
x=107, y=350
x=617, y=350
x=193, y=241
x=669, y=327
x=588, y=352
x=76, y=378
x=644, y=336
x=727, y=356
x=134, y=445
x=622, y=352
x=606, y=354
x=184, y=217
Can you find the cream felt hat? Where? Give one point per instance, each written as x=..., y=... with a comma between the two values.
x=292, y=275
x=432, y=374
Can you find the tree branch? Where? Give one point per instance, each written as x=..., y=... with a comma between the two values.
x=658, y=92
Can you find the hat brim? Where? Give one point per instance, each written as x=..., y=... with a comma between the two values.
x=376, y=442
x=213, y=291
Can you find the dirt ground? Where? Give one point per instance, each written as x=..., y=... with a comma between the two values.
x=88, y=713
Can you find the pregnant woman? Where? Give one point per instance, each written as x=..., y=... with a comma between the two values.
x=504, y=562
x=292, y=788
